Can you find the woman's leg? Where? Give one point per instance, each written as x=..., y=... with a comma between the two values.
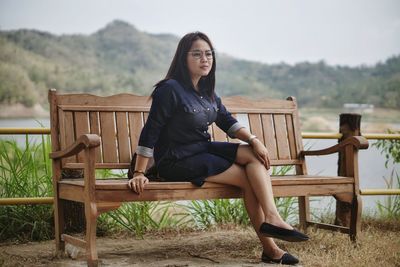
x=236, y=176
x=260, y=182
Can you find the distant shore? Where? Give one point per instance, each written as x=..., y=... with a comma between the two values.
x=20, y=111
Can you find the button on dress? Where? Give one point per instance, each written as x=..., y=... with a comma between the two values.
x=176, y=134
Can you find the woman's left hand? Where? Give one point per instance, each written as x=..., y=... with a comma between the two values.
x=261, y=152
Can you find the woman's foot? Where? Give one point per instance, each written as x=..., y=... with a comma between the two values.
x=277, y=221
x=286, y=258
x=273, y=231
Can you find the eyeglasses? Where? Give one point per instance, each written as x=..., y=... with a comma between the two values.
x=197, y=54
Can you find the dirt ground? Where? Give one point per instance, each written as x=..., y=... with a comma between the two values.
x=234, y=247
x=378, y=245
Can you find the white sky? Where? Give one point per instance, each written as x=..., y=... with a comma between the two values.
x=341, y=32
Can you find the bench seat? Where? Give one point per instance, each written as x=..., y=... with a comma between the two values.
x=284, y=185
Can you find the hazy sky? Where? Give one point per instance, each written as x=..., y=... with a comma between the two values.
x=341, y=32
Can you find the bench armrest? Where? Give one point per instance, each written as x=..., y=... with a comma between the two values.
x=84, y=141
x=359, y=142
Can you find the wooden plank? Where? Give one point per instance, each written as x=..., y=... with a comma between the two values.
x=107, y=206
x=105, y=108
x=291, y=137
x=98, y=101
x=311, y=190
x=256, y=127
x=106, y=165
x=331, y=227
x=56, y=168
x=123, y=137
x=81, y=127
x=95, y=129
x=269, y=135
x=218, y=134
x=211, y=193
x=145, y=116
x=242, y=103
x=71, y=192
x=126, y=165
x=153, y=195
x=130, y=100
x=281, y=137
x=68, y=135
x=135, y=128
x=276, y=180
x=108, y=137
x=142, y=108
x=77, y=242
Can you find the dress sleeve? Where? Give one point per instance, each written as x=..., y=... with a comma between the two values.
x=162, y=108
x=225, y=120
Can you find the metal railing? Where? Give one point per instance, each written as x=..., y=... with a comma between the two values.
x=305, y=135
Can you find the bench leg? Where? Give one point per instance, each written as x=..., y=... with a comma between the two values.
x=304, y=212
x=355, y=223
x=91, y=220
x=58, y=223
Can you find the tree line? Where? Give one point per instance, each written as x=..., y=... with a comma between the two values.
x=120, y=58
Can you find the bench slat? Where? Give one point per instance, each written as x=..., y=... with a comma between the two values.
x=218, y=134
x=95, y=129
x=67, y=133
x=108, y=137
x=122, y=137
x=291, y=137
x=256, y=126
x=81, y=127
x=281, y=137
x=269, y=135
x=119, y=184
x=135, y=127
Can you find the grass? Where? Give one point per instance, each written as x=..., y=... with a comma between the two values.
x=25, y=172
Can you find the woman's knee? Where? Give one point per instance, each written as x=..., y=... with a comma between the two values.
x=235, y=175
x=245, y=155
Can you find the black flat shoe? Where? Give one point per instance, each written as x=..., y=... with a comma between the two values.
x=286, y=258
x=270, y=230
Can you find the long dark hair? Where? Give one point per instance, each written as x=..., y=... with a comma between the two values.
x=179, y=71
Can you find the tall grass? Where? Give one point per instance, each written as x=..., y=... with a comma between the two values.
x=140, y=217
x=25, y=172
x=390, y=207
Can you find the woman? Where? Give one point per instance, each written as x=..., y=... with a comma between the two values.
x=175, y=134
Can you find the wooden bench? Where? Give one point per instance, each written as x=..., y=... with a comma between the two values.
x=90, y=132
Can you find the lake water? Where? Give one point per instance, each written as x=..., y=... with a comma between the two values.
x=371, y=163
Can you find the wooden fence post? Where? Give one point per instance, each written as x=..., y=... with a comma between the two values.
x=349, y=125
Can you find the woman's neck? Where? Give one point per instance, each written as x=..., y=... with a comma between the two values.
x=195, y=82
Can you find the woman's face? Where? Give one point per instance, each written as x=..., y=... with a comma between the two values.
x=199, y=60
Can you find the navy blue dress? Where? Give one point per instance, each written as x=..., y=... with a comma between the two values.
x=176, y=135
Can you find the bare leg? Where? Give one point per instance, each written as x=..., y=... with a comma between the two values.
x=236, y=175
x=260, y=182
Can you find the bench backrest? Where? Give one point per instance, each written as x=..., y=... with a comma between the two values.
x=118, y=120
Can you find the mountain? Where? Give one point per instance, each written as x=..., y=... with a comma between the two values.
x=120, y=58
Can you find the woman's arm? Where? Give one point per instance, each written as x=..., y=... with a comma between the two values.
x=139, y=180
x=258, y=148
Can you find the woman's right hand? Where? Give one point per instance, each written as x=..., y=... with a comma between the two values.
x=137, y=183
x=261, y=152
